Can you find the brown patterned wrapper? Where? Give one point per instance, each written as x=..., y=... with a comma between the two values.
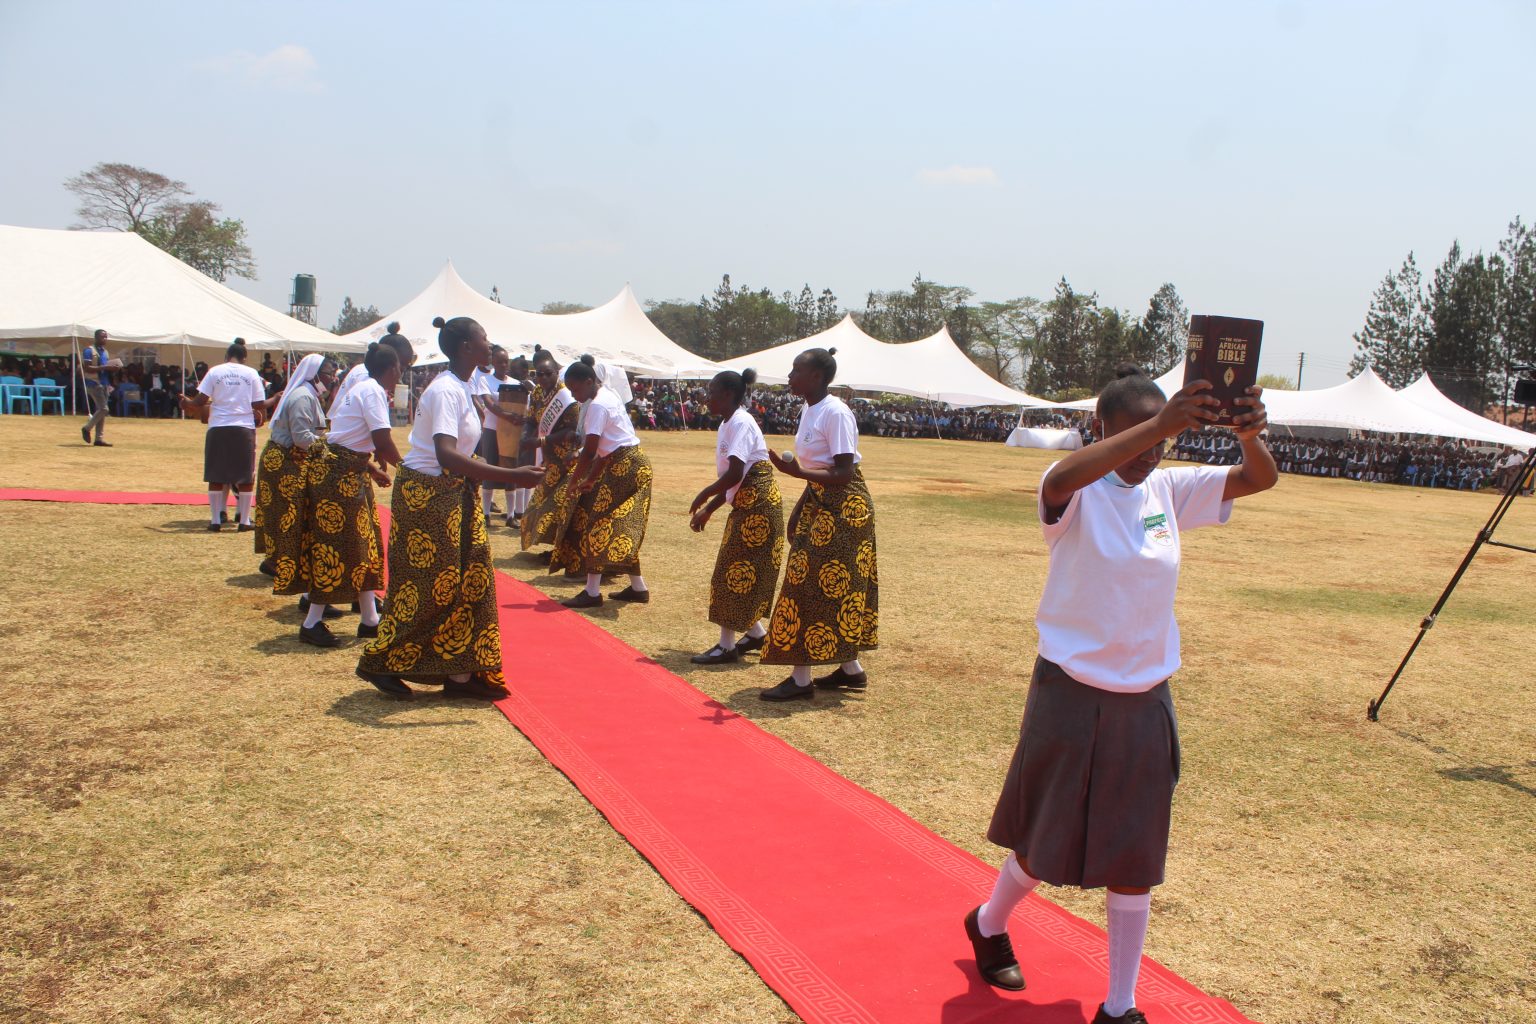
x=751, y=553
x=608, y=522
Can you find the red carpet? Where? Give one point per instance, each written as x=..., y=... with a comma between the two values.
x=848, y=909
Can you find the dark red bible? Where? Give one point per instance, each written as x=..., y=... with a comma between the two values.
x=1225, y=351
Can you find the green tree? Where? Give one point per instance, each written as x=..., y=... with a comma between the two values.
x=1004, y=335
x=686, y=323
x=1159, y=340
x=1063, y=357
x=919, y=312
x=827, y=311
x=1517, y=303
x=1273, y=382
x=1396, y=330
x=1462, y=350
x=561, y=308
x=355, y=318
x=121, y=196
x=195, y=234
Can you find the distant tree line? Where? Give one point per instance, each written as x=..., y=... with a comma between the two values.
x=1468, y=329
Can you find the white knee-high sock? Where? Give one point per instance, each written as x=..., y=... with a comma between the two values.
x=519, y=501
x=594, y=583
x=368, y=607
x=314, y=615
x=727, y=639
x=1013, y=884
x=243, y=507
x=853, y=667
x=1128, y=916
x=637, y=582
x=757, y=630
x=487, y=498
x=801, y=675
x=215, y=505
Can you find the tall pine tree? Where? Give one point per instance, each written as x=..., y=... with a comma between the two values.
x=1396, y=330
x=1462, y=350
x=1164, y=332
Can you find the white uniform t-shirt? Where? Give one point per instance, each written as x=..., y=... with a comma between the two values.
x=445, y=408
x=349, y=380
x=364, y=409
x=485, y=382
x=606, y=417
x=1106, y=615
x=739, y=436
x=232, y=388
x=826, y=429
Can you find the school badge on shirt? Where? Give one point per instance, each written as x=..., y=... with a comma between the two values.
x=1157, y=526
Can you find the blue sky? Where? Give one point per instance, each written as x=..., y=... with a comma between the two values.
x=1272, y=160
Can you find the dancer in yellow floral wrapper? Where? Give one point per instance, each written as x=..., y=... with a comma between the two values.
x=343, y=557
x=296, y=425
x=440, y=624
x=829, y=607
x=752, y=548
x=553, y=436
x=612, y=479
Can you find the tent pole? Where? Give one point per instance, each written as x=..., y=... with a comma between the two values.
x=74, y=357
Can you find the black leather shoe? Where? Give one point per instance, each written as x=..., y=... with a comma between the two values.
x=214, y=527
x=840, y=680
x=788, y=690
x=331, y=612
x=632, y=595
x=583, y=600
x=102, y=444
x=748, y=644
x=368, y=632
x=245, y=528
x=716, y=655
x=994, y=956
x=266, y=568
x=1131, y=1016
x=475, y=688
x=390, y=685
x=85, y=434
x=320, y=635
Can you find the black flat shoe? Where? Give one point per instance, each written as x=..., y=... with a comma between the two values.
x=475, y=688
x=102, y=444
x=245, y=528
x=994, y=956
x=319, y=635
x=716, y=655
x=331, y=612
x=266, y=568
x=85, y=434
x=368, y=632
x=1131, y=1016
x=214, y=527
x=390, y=685
x=748, y=644
x=583, y=600
x=632, y=595
x=840, y=680
x=788, y=690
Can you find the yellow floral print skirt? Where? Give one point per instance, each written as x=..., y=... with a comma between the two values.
x=275, y=465
x=751, y=552
x=829, y=607
x=440, y=617
x=608, y=522
x=344, y=554
x=550, y=505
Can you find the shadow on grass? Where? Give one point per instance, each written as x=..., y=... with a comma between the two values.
x=251, y=581
x=677, y=662
x=748, y=704
x=368, y=707
x=1498, y=774
x=289, y=643
x=191, y=526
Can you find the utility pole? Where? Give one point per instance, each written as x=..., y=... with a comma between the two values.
x=1301, y=360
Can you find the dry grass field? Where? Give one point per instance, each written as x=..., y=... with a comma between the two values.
x=203, y=820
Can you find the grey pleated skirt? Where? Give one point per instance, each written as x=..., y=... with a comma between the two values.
x=229, y=455
x=1089, y=794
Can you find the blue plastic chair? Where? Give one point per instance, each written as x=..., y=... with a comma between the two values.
x=13, y=390
x=130, y=395
x=44, y=390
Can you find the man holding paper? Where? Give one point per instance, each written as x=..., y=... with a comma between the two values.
x=96, y=368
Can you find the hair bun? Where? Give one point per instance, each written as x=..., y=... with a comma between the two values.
x=537, y=348
x=239, y=341
x=832, y=351
x=373, y=346
x=748, y=376
x=438, y=321
x=586, y=357
x=393, y=327
x=1129, y=370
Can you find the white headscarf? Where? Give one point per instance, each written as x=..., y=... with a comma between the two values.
x=610, y=377
x=303, y=378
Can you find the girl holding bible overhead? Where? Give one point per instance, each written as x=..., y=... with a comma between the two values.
x=1089, y=793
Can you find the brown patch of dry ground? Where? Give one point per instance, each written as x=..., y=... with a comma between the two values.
x=201, y=820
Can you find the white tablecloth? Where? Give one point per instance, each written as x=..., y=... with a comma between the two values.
x=1045, y=437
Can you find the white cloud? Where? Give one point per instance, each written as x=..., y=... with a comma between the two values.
x=957, y=175
x=289, y=68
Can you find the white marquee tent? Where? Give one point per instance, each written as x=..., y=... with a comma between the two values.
x=932, y=368
x=58, y=287
x=617, y=332
x=1424, y=394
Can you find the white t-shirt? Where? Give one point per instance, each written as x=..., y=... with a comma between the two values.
x=605, y=416
x=739, y=436
x=349, y=380
x=444, y=408
x=361, y=411
x=485, y=382
x=1106, y=616
x=232, y=388
x=826, y=429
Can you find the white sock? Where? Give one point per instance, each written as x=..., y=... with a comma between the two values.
x=1013, y=884
x=486, y=499
x=1128, y=917
x=853, y=667
x=727, y=639
x=215, y=505
x=594, y=583
x=637, y=583
x=243, y=507
x=520, y=500
x=368, y=606
x=758, y=630
x=801, y=675
x=314, y=615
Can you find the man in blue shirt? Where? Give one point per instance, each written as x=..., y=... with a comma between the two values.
x=98, y=384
